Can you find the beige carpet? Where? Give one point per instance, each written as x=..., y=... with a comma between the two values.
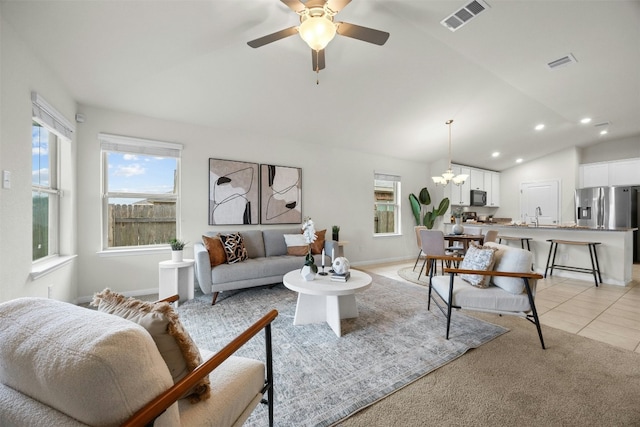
x=513, y=381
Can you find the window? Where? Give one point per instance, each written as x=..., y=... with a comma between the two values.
x=51, y=135
x=386, y=191
x=140, y=191
x=44, y=191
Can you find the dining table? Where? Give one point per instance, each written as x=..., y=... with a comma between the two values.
x=464, y=239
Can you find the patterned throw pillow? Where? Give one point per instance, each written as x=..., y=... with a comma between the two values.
x=234, y=247
x=217, y=255
x=296, y=244
x=174, y=343
x=477, y=258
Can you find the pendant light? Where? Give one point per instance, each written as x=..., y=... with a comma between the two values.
x=448, y=175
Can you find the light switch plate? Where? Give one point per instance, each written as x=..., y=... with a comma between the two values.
x=6, y=179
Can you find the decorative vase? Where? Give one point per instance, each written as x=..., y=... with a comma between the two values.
x=457, y=227
x=307, y=274
x=335, y=236
x=176, y=256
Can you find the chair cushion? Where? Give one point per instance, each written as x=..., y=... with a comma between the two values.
x=96, y=368
x=511, y=259
x=477, y=258
x=234, y=247
x=217, y=255
x=296, y=244
x=174, y=343
x=492, y=298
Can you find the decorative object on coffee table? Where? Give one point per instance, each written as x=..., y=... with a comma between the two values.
x=310, y=268
x=340, y=265
x=177, y=247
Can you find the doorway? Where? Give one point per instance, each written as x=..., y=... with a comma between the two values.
x=543, y=198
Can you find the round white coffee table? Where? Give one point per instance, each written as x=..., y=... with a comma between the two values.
x=324, y=300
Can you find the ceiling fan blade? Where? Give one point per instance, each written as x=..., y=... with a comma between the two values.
x=337, y=5
x=273, y=37
x=317, y=60
x=295, y=5
x=362, y=33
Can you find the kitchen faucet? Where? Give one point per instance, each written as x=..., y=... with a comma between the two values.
x=538, y=213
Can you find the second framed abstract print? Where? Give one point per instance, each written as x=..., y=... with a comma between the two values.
x=281, y=195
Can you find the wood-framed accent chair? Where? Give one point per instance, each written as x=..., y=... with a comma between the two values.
x=511, y=290
x=67, y=365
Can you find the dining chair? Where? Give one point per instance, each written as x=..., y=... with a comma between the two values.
x=433, y=244
x=491, y=236
x=421, y=254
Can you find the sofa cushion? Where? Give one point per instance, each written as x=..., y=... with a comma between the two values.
x=296, y=244
x=96, y=368
x=511, y=259
x=253, y=242
x=318, y=244
x=217, y=255
x=234, y=247
x=477, y=258
x=274, y=244
x=174, y=343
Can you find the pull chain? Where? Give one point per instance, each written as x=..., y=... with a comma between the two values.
x=317, y=68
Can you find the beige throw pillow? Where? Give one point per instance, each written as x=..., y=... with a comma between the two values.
x=477, y=258
x=296, y=244
x=174, y=343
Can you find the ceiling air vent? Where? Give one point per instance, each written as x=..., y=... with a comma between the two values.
x=464, y=15
x=565, y=60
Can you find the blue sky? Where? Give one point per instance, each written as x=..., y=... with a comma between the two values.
x=140, y=173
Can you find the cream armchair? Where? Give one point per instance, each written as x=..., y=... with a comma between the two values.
x=65, y=365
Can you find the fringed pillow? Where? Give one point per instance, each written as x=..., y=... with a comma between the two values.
x=234, y=247
x=478, y=258
x=174, y=343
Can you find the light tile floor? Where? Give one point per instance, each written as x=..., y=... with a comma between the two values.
x=607, y=313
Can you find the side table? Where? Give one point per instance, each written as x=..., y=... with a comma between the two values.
x=176, y=278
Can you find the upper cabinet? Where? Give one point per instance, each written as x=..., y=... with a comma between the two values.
x=619, y=172
x=479, y=179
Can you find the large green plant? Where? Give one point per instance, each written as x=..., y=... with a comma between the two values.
x=421, y=203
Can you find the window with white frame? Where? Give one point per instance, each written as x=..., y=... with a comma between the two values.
x=140, y=191
x=49, y=130
x=386, y=192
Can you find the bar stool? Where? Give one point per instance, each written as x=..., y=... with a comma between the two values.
x=523, y=240
x=595, y=266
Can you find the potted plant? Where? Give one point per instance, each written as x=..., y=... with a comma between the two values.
x=335, y=231
x=177, y=247
x=420, y=203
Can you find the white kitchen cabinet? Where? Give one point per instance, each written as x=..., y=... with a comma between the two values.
x=594, y=175
x=492, y=187
x=459, y=194
x=624, y=172
x=477, y=180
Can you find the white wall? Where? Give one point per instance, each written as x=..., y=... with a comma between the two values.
x=20, y=74
x=337, y=189
x=608, y=150
x=561, y=166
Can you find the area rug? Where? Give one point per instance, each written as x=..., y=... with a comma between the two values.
x=408, y=274
x=321, y=378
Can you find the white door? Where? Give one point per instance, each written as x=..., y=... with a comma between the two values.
x=543, y=198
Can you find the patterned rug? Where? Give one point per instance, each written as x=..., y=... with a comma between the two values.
x=408, y=274
x=321, y=378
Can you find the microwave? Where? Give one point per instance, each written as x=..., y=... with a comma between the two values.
x=478, y=198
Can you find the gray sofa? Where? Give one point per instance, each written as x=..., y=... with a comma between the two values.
x=268, y=261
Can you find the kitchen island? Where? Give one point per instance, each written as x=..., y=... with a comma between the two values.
x=615, y=253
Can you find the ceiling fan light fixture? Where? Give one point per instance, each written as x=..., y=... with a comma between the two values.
x=317, y=31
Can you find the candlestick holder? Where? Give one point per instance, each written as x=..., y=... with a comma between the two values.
x=323, y=273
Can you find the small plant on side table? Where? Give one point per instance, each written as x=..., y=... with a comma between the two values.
x=176, y=249
x=335, y=232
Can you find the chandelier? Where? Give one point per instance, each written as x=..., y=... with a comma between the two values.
x=448, y=175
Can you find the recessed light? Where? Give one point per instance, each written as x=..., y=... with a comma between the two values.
x=604, y=132
x=495, y=154
x=539, y=127
x=519, y=160
x=585, y=120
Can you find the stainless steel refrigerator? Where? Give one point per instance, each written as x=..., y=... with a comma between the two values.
x=608, y=207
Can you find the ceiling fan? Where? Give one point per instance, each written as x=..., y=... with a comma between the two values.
x=317, y=28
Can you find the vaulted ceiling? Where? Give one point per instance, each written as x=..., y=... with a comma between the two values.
x=189, y=61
